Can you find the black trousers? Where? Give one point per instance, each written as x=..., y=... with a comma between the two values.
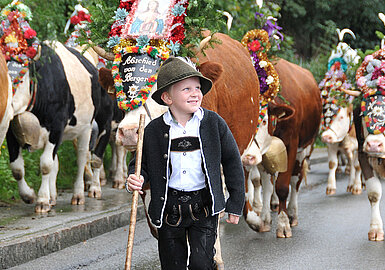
x=188, y=221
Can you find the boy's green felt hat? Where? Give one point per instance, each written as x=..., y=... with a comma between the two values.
x=174, y=70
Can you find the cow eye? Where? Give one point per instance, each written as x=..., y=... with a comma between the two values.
x=264, y=122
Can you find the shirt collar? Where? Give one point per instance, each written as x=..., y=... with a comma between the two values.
x=169, y=119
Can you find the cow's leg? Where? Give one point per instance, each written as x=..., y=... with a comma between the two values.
x=103, y=176
x=16, y=161
x=355, y=186
x=47, y=166
x=256, y=181
x=82, y=153
x=52, y=181
x=218, y=252
x=295, y=182
x=252, y=218
x=274, y=203
x=112, y=169
x=374, y=189
x=119, y=179
x=27, y=194
x=282, y=188
x=267, y=190
x=95, y=190
x=333, y=163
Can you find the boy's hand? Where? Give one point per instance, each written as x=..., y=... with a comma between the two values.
x=134, y=183
x=233, y=219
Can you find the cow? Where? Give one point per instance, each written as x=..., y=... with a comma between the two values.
x=370, y=127
x=337, y=117
x=65, y=100
x=297, y=126
x=6, y=110
x=263, y=158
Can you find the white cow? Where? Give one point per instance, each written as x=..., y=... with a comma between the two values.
x=260, y=178
x=338, y=138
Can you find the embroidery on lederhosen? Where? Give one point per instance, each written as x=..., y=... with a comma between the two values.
x=185, y=144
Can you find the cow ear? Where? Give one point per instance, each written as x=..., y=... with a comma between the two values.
x=281, y=111
x=107, y=81
x=211, y=70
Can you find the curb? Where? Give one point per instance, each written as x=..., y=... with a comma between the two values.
x=30, y=247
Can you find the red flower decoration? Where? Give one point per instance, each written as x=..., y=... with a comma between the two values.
x=29, y=33
x=31, y=52
x=83, y=16
x=75, y=19
x=255, y=46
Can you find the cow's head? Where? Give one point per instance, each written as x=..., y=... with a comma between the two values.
x=373, y=109
x=260, y=143
x=336, y=123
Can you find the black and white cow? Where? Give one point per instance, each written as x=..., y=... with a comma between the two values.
x=65, y=100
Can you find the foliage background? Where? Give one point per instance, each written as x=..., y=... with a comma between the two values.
x=308, y=25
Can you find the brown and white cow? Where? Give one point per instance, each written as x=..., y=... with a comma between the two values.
x=370, y=128
x=6, y=110
x=337, y=117
x=297, y=126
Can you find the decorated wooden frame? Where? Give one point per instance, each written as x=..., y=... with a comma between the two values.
x=151, y=18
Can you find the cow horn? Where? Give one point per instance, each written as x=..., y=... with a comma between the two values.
x=382, y=17
x=38, y=54
x=102, y=52
x=229, y=18
x=351, y=92
x=344, y=31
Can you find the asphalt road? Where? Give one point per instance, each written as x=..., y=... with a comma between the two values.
x=332, y=234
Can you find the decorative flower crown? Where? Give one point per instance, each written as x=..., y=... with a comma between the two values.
x=370, y=76
x=18, y=39
x=155, y=48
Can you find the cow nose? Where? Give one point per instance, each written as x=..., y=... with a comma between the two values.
x=128, y=137
x=374, y=146
x=249, y=160
x=327, y=138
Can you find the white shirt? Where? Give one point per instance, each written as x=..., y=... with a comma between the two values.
x=187, y=174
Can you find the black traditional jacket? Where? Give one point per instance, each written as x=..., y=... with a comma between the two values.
x=218, y=147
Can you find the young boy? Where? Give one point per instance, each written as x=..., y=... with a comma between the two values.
x=182, y=155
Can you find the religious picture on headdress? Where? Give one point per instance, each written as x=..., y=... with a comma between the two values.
x=149, y=18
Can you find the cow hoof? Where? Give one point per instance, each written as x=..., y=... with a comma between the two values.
x=77, y=200
x=52, y=202
x=376, y=235
x=284, y=233
x=118, y=184
x=93, y=193
x=220, y=266
x=356, y=191
x=330, y=191
x=42, y=208
x=274, y=207
x=293, y=222
x=28, y=199
x=265, y=228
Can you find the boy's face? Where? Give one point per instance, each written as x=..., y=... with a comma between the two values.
x=184, y=97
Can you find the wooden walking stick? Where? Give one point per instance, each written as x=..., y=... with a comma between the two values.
x=135, y=195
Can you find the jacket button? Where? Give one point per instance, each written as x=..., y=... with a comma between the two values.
x=166, y=135
x=165, y=156
x=164, y=177
x=157, y=222
x=162, y=198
